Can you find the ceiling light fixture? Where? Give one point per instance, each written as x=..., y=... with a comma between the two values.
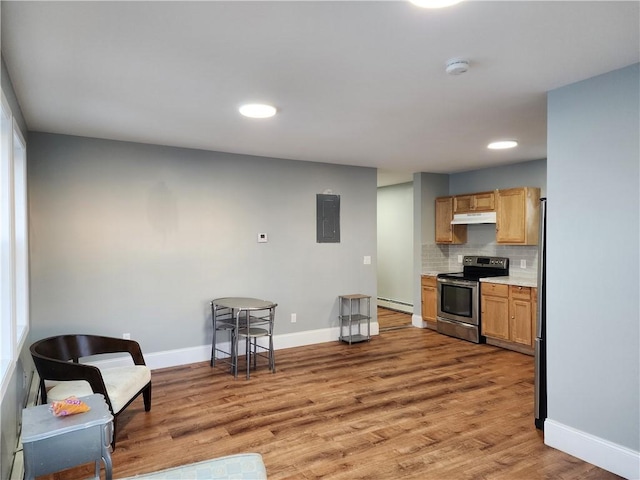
x=502, y=144
x=434, y=3
x=257, y=110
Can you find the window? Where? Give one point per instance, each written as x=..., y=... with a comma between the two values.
x=21, y=235
x=14, y=265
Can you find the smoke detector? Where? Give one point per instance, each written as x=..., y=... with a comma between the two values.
x=457, y=66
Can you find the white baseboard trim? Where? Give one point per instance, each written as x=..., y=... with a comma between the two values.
x=602, y=453
x=395, y=305
x=416, y=321
x=202, y=353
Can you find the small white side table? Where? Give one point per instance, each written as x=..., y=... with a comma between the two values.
x=54, y=443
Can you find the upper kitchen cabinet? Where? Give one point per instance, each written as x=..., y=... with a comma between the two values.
x=445, y=232
x=477, y=202
x=517, y=216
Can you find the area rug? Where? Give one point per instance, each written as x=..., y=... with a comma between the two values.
x=246, y=466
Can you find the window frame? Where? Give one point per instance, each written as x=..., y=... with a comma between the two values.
x=14, y=244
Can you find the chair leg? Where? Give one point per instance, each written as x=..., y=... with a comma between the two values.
x=115, y=429
x=248, y=355
x=272, y=355
x=146, y=395
x=255, y=353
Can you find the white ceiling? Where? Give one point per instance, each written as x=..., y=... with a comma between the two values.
x=358, y=83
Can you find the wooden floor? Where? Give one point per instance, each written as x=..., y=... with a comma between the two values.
x=409, y=404
x=390, y=319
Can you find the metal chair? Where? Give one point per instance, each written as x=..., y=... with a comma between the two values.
x=224, y=321
x=256, y=328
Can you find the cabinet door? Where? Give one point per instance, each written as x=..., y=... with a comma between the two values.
x=429, y=305
x=518, y=216
x=510, y=216
x=484, y=202
x=462, y=203
x=521, y=318
x=445, y=232
x=429, y=298
x=495, y=317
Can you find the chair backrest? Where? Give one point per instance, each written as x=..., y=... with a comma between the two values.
x=72, y=347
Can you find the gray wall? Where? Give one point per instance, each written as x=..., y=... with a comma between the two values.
x=593, y=261
x=395, y=242
x=138, y=238
x=524, y=174
x=426, y=188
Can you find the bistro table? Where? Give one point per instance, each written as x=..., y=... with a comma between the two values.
x=230, y=314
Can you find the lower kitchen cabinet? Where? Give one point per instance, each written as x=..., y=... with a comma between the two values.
x=429, y=300
x=508, y=316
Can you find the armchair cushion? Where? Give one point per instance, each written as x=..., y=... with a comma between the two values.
x=122, y=383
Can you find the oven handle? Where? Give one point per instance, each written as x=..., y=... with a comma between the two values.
x=457, y=281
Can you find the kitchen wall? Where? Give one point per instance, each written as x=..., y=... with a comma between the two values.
x=481, y=239
x=593, y=270
x=139, y=238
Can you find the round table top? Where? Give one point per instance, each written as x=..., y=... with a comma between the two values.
x=244, y=303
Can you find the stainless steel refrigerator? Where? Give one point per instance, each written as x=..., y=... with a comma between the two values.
x=541, y=324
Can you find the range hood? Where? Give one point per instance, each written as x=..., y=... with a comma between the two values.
x=472, y=218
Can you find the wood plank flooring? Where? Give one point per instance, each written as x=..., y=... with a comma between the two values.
x=410, y=404
x=390, y=319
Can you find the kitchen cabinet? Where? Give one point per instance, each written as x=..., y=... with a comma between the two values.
x=508, y=315
x=494, y=305
x=518, y=216
x=445, y=232
x=476, y=202
x=429, y=300
x=520, y=315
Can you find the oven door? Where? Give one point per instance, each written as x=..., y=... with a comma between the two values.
x=458, y=300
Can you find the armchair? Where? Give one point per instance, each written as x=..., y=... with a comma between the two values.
x=57, y=358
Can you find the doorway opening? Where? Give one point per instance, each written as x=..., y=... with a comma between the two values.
x=392, y=319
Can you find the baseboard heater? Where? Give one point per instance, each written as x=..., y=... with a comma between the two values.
x=395, y=305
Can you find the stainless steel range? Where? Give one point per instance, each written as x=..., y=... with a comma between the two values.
x=459, y=296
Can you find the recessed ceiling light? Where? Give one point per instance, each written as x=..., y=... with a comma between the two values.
x=434, y=3
x=502, y=144
x=257, y=110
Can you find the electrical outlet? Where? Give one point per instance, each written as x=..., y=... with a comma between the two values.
x=459, y=258
x=126, y=336
x=523, y=263
x=294, y=318
x=367, y=260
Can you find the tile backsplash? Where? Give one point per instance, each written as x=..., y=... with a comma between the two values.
x=445, y=257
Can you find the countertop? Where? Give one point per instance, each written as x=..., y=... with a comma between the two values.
x=434, y=273
x=522, y=280
x=517, y=278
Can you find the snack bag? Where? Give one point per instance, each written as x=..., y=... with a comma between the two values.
x=69, y=406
